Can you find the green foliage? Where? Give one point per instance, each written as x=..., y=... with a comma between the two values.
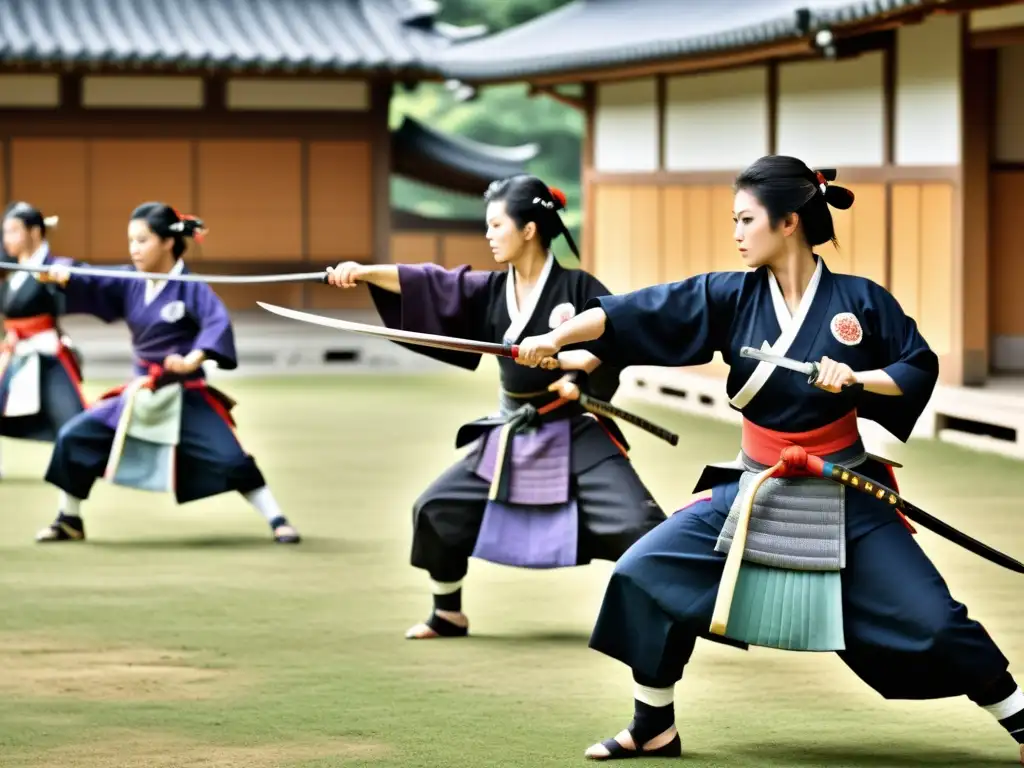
x=496, y=14
x=500, y=115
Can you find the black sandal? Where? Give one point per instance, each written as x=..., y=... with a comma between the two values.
x=618, y=752
x=442, y=627
x=64, y=528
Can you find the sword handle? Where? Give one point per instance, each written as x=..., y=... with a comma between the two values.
x=813, y=375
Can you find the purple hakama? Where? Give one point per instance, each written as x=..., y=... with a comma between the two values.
x=537, y=489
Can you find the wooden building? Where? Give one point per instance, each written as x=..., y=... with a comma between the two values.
x=269, y=119
x=918, y=103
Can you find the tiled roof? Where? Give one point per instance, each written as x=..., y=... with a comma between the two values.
x=423, y=153
x=324, y=35
x=590, y=34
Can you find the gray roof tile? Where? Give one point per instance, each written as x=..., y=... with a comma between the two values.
x=598, y=33
x=332, y=35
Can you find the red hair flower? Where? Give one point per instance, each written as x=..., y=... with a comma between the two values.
x=558, y=195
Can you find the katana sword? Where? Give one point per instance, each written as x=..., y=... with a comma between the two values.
x=811, y=370
x=129, y=274
x=455, y=344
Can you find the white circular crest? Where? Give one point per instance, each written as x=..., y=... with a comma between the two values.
x=846, y=329
x=560, y=314
x=172, y=311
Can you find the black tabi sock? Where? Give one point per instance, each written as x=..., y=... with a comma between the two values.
x=450, y=602
x=1003, y=699
x=649, y=721
x=1014, y=725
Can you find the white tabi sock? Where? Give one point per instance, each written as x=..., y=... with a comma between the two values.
x=445, y=587
x=266, y=504
x=654, y=697
x=70, y=506
x=1008, y=707
x=1, y=458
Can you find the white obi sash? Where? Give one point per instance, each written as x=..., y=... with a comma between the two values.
x=21, y=358
x=146, y=437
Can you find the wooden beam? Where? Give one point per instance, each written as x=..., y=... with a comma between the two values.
x=997, y=38
x=857, y=175
x=569, y=101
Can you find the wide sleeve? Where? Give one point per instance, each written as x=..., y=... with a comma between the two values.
x=100, y=297
x=215, y=337
x=901, y=352
x=673, y=324
x=447, y=302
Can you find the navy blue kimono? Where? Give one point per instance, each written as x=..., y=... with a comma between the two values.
x=40, y=376
x=905, y=635
x=185, y=441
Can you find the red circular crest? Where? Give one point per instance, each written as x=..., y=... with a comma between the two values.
x=846, y=329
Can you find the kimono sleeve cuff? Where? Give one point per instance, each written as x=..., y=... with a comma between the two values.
x=912, y=381
x=604, y=347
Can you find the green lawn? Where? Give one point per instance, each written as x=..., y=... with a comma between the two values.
x=183, y=637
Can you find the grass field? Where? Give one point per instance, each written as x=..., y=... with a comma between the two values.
x=184, y=637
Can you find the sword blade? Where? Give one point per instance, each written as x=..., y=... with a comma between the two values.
x=391, y=334
x=126, y=274
x=779, y=360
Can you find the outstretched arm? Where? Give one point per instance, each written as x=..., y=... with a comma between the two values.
x=675, y=324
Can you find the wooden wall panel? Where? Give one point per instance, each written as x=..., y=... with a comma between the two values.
x=340, y=200
x=725, y=257
x=3, y=174
x=672, y=264
x=906, y=247
x=123, y=174
x=244, y=297
x=250, y=193
x=415, y=247
x=936, y=314
x=701, y=231
x=36, y=167
x=861, y=232
x=1006, y=275
x=922, y=260
x=459, y=249
x=645, y=237
x=612, y=236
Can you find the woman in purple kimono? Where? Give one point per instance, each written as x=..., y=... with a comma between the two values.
x=166, y=430
x=545, y=485
x=40, y=375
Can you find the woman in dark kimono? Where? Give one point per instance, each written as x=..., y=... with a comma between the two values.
x=546, y=485
x=821, y=568
x=167, y=429
x=40, y=378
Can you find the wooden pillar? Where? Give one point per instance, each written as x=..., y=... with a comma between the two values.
x=977, y=84
x=380, y=101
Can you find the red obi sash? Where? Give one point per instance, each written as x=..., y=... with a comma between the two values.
x=27, y=327
x=790, y=450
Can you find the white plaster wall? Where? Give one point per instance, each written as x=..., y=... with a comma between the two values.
x=1009, y=138
x=29, y=91
x=927, y=103
x=997, y=18
x=297, y=95
x=626, y=126
x=716, y=121
x=142, y=92
x=832, y=113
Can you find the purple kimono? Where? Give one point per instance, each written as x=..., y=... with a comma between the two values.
x=178, y=433
x=543, y=486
